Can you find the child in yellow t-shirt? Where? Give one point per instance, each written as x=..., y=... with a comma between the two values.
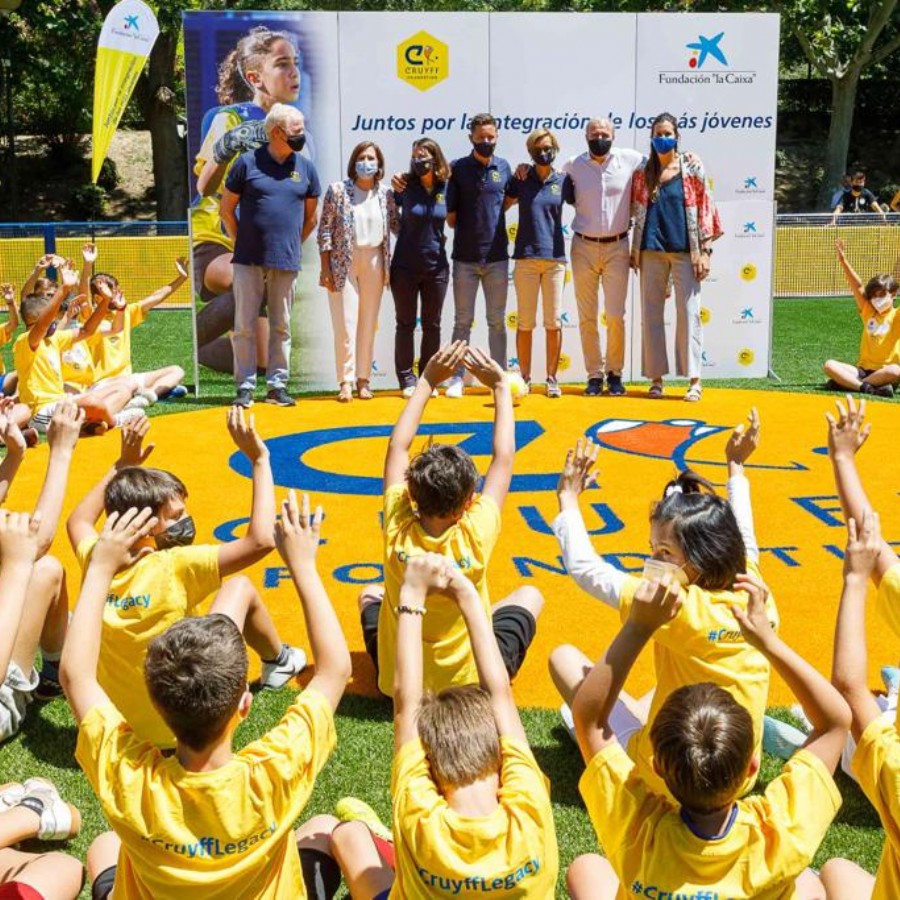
x=170, y=578
x=708, y=843
x=111, y=346
x=472, y=809
x=706, y=541
x=205, y=822
x=430, y=506
x=877, y=371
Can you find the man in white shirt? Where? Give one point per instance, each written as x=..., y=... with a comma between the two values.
x=598, y=184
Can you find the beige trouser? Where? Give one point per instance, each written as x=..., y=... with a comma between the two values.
x=354, y=310
x=591, y=263
x=655, y=269
x=547, y=276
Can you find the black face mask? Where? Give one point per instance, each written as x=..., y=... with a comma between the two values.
x=484, y=148
x=856, y=189
x=178, y=534
x=544, y=157
x=296, y=142
x=420, y=167
x=599, y=146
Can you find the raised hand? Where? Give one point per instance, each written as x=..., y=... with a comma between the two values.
x=863, y=545
x=7, y=294
x=744, y=440
x=445, y=362
x=655, y=603
x=577, y=474
x=244, y=136
x=68, y=275
x=65, y=425
x=114, y=549
x=297, y=535
x=89, y=253
x=754, y=620
x=244, y=435
x=133, y=452
x=18, y=537
x=847, y=433
x=428, y=572
x=488, y=371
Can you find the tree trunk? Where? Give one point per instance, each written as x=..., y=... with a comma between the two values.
x=843, y=100
x=169, y=150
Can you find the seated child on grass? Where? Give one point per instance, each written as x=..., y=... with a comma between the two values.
x=9, y=382
x=38, y=352
x=430, y=505
x=707, y=843
x=36, y=619
x=877, y=370
x=705, y=541
x=472, y=811
x=169, y=578
x=206, y=822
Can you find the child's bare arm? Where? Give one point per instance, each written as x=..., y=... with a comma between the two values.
x=62, y=435
x=81, y=652
x=14, y=442
x=499, y=473
x=654, y=604
x=297, y=539
x=408, y=656
x=846, y=435
x=849, y=665
x=18, y=546
x=83, y=519
x=89, y=255
x=491, y=672
x=741, y=445
x=98, y=314
x=440, y=367
x=68, y=278
x=259, y=539
x=41, y=266
x=8, y=293
x=823, y=705
x=157, y=297
x=854, y=282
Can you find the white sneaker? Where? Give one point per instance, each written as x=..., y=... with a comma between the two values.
x=455, y=388
x=59, y=820
x=149, y=395
x=275, y=676
x=408, y=391
x=128, y=415
x=137, y=402
x=568, y=721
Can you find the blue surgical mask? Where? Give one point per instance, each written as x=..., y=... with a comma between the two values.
x=664, y=144
x=178, y=534
x=366, y=168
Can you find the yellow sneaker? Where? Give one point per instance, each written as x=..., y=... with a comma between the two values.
x=350, y=809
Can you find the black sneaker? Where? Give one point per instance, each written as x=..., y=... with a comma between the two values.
x=594, y=387
x=280, y=397
x=243, y=398
x=48, y=687
x=614, y=384
x=882, y=390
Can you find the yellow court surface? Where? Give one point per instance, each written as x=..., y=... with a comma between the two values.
x=335, y=452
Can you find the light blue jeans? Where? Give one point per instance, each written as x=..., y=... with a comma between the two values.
x=251, y=284
x=494, y=280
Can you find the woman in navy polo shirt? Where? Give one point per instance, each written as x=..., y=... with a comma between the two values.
x=540, y=254
x=419, y=266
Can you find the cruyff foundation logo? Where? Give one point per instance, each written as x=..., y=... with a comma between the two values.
x=423, y=61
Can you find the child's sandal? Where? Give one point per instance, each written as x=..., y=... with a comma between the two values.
x=363, y=391
x=656, y=391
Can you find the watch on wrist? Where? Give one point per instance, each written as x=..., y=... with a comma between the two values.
x=707, y=251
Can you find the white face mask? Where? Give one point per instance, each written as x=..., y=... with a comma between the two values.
x=883, y=304
x=655, y=569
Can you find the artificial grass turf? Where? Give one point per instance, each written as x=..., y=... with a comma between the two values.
x=806, y=332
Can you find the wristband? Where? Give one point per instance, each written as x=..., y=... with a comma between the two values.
x=413, y=610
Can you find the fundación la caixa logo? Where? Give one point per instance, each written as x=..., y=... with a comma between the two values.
x=707, y=63
x=423, y=61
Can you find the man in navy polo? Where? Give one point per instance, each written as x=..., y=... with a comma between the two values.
x=278, y=192
x=476, y=195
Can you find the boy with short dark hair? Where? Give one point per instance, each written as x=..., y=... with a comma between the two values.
x=430, y=505
x=170, y=578
x=206, y=822
x=472, y=809
x=711, y=842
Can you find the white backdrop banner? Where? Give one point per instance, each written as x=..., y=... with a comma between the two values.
x=395, y=77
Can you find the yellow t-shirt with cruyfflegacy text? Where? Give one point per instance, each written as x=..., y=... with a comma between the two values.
x=447, y=652
x=511, y=852
x=879, y=343
x=215, y=835
x=876, y=763
x=112, y=352
x=769, y=840
x=143, y=601
x=703, y=643
x=40, y=370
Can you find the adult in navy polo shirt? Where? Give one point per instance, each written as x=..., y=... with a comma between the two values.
x=278, y=192
x=476, y=195
x=540, y=254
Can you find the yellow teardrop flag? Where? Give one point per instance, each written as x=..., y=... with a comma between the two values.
x=127, y=37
